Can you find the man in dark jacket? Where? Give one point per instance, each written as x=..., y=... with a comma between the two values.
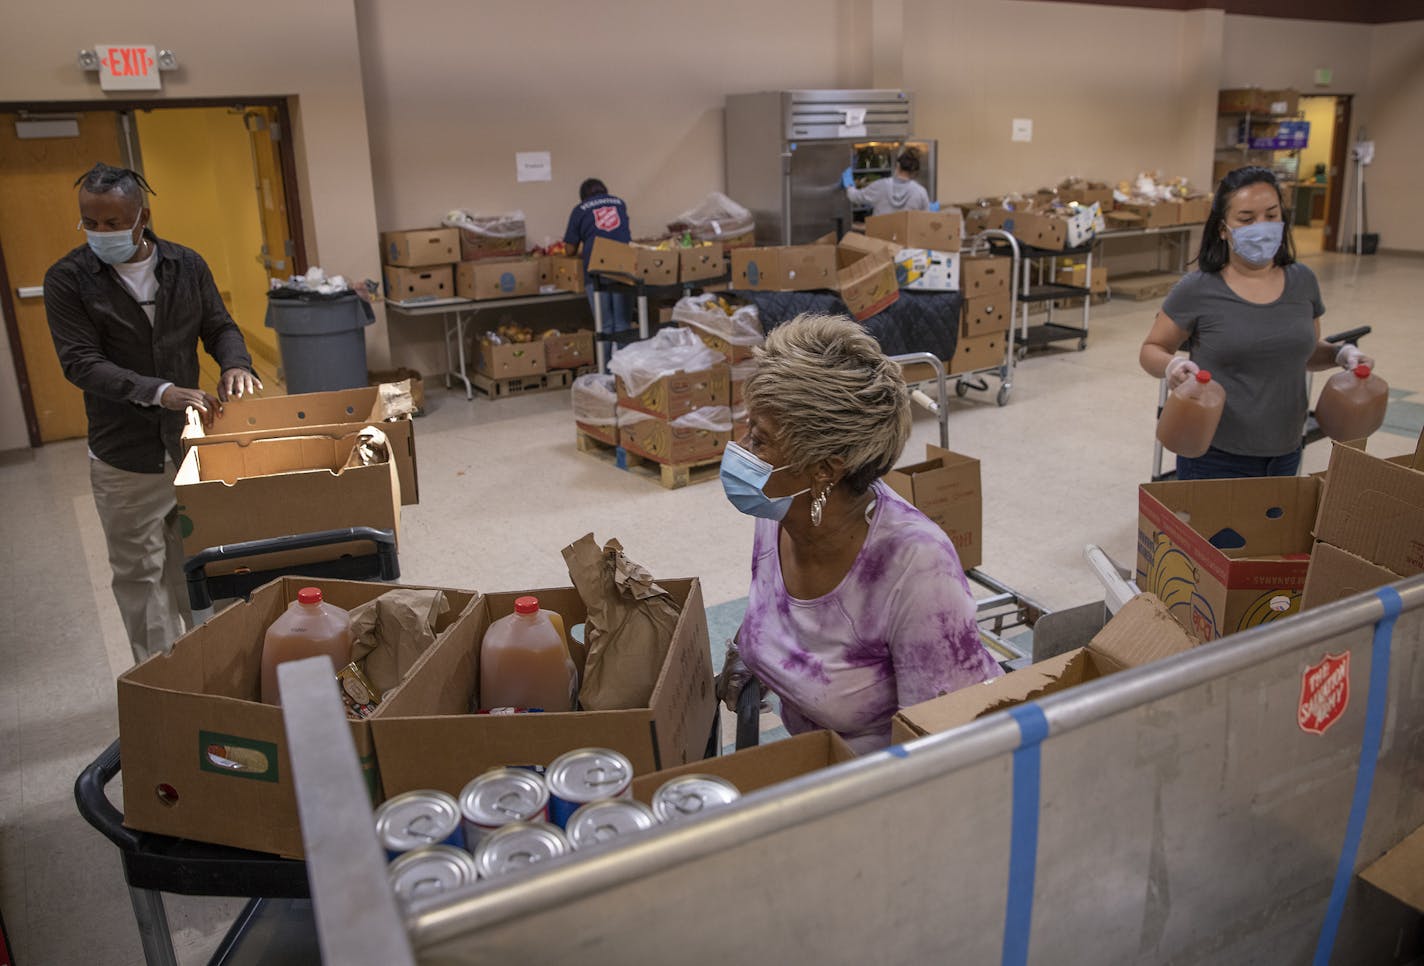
x=126, y=312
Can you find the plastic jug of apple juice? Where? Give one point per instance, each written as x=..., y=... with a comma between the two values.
x=1191, y=415
x=307, y=628
x=1352, y=404
x=525, y=663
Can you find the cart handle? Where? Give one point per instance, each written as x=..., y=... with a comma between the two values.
x=1349, y=335
x=749, y=715
x=95, y=806
x=195, y=566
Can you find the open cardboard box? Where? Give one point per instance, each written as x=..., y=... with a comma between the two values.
x=1374, y=508
x=1141, y=632
x=426, y=736
x=203, y=758
x=679, y=393
x=946, y=488
x=1335, y=574
x=1400, y=871
x=234, y=491
x=654, y=266
x=866, y=274
x=337, y=413
x=754, y=768
x=1225, y=555
x=936, y=230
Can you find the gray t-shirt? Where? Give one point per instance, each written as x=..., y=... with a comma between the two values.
x=889, y=195
x=1257, y=352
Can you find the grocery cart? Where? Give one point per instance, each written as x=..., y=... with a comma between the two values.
x=154, y=864
x=1310, y=434
x=994, y=241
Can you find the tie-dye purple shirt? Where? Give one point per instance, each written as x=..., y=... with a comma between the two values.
x=898, y=629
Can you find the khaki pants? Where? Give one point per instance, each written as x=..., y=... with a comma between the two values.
x=140, y=519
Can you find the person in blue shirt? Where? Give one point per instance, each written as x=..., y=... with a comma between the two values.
x=600, y=215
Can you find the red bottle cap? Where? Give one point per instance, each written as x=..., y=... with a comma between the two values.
x=1203, y=376
x=309, y=595
x=1361, y=371
x=526, y=605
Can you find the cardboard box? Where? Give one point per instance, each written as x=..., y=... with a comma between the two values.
x=191, y=723
x=680, y=393
x=946, y=488
x=1225, y=555
x=497, y=278
x=981, y=275
x=426, y=737
x=926, y=270
x=702, y=262
x=1122, y=218
x=752, y=769
x=974, y=353
x=653, y=266
x=936, y=230
x=735, y=353
x=475, y=247
x=1087, y=196
x=1374, y=508
x=1161, y=215
x=740, y=373
x=1077, y=274
x=1242, y=100
x=985, y=315
x=788, y=268
x=422, y=246
x=234, y=491
x=1192, y=211
x=1140, y=633
x=1400, y=871
x=664, y=442
x=869, y=285
x=984, y=217
x=604, y=434
x=378, y=377
x=564, y=272
x=569, y=350
x=431, y=282
x=338, y=413
x=1280, y=103
x=1335, y=574
x=509, y=360
x=1053, y=231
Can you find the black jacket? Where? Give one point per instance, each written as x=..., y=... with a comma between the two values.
x=108, y=348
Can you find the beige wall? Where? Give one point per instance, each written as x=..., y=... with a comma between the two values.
x=1396, y=110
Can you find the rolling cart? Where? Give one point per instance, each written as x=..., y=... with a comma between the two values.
x=1312, y=432
x=1034, y=284
x=641, y=292
x=154, y=864
x=996, y=241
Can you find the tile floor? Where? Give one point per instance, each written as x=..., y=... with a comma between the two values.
x=503, y=491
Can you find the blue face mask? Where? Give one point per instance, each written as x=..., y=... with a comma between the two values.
x=744, y=477
x=1257, y=243
x=114, y=247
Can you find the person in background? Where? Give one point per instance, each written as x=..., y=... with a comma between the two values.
x=600, y=215
x=1249, y=315
x=126, y=311
x=858, y=604
x=899, y=192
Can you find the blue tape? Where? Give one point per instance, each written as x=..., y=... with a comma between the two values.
x=1023, y=841
x=898, y=751
x=1365, y=775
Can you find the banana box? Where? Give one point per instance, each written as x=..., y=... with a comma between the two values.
x=679, y=393
x=1225, y=555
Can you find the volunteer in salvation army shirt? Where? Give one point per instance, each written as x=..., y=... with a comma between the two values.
x=600, y=215
x=126, y=311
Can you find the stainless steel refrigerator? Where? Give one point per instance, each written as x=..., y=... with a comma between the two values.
x=786, y=151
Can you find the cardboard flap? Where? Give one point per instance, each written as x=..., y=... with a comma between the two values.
x=758, y=767
x=854, y=246
x=1400, y=871
x=1374, y=508
x=1141, y=632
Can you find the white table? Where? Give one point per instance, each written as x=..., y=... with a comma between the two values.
x=456, y=312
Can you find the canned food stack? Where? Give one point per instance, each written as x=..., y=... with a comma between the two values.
x=511, y=818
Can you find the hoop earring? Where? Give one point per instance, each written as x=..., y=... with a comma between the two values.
x=818, y=506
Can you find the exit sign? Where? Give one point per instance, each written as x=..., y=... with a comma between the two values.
x=124, y=67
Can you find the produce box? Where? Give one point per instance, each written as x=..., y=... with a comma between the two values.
x=431, y=282
x=421, y=246
x=946, y=488
x=497, y=278
x=509, y=360
x=679, y=393
x=568, y=350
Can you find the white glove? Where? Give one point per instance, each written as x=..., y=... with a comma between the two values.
x=1179, y=370
x=1349, y=357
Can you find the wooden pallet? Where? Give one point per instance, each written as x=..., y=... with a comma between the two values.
x=673, y=476
x=549, y=381
x=1141, y=288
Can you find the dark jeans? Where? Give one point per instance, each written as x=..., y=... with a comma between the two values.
x=1217, y=464
x=615, y=312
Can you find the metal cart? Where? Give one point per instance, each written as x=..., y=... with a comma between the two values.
x=1311, y=434
x=996, y=241
x=155, y=864
x=641, y=292
x=1034, y=284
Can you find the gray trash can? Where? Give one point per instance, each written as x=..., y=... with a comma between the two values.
x=321, y=339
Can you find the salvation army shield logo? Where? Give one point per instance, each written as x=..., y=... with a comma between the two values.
x=1324, y=693
x=606, y=218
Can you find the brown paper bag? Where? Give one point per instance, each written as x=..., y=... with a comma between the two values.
x=392, y=631
x=629, y=626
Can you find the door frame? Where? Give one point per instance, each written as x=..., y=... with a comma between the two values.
x=1339, y=152
x=285, y=149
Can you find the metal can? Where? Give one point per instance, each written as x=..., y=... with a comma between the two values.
x=418, y=819
x=357, y=691
x=501, y=796
x=517, y=846
x=691, y=795
x=431, y=871
x=584, y=776
x=607, y=822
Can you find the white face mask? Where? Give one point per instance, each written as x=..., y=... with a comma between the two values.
x=113, y=247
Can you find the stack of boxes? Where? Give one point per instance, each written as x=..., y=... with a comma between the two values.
x=678, y=416
x=420, y=264
x=985, y=285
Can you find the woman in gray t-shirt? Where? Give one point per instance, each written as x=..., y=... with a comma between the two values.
x=1250, y=315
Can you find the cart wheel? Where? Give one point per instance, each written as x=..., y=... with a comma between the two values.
x=1004, y=373
x=1082, y=343
x=1003, y=397
x=961, y=388
x=1020, y=352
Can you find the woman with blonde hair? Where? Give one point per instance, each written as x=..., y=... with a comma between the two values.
x=858, y=604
